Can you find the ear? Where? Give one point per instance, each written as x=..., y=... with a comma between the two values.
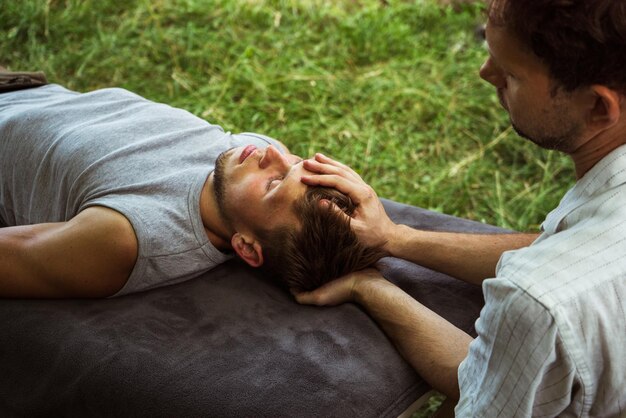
x=607, y=107
x=248, y=249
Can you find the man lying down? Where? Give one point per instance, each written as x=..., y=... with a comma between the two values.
x=107, y=193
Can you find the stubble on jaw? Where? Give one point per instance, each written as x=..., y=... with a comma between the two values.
x=563, y=142
x=559, y=132
x=219, y=186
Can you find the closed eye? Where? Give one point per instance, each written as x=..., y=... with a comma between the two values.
x=272, y=182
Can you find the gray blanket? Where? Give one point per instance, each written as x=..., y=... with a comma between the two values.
x=229, y=344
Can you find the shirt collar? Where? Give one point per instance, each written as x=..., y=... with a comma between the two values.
x=608, y=173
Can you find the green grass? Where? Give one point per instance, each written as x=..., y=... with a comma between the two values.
x=390, y=88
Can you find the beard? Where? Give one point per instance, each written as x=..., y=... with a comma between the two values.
x=555, y=127
x=220, y=184
x=562, y=141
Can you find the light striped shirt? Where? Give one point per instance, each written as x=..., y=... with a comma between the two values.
x=552, y=335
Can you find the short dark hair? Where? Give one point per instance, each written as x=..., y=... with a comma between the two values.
x=322, y=248
x=583, y=42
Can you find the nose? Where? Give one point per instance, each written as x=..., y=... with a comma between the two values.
x=274, y=158
x=492, y=74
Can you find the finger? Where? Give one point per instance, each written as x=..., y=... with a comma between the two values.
x=323, y=168
x=296, y=293
x=327, y=160
x=335, y=208
x=356, y=192
x=305, y=298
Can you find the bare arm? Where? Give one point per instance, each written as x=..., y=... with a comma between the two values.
x=91, y=255
x=432, y=345
x=469, y=257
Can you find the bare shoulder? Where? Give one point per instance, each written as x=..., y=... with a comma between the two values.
x=110, y=231
x=107, y=222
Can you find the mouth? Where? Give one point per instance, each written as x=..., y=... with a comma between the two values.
x=246, y=153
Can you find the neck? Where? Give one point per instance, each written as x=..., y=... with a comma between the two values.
x=214, y=225
x=598, y=147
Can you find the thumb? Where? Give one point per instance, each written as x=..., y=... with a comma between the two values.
x=303, y=298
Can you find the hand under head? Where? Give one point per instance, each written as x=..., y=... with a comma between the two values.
x=323, y=247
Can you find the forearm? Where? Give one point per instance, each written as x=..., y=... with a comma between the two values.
x=469, y=257
x=432, y=345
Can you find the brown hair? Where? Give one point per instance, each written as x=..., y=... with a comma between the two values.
x=321, y=249
x=583, y=42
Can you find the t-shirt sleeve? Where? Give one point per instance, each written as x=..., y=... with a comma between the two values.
x=517, y=365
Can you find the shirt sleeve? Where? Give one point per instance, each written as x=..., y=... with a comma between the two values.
x=517, y=365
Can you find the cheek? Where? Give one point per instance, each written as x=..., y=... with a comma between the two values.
x=241, y=211
x=517, y=100
x=244, y=194
x=530, y=106
x=245, y=198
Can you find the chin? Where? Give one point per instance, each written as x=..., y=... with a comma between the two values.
x=561, y=143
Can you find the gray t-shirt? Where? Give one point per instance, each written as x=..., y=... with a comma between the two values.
x=62, y=151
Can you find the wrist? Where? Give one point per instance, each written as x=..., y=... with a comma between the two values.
x=394, y=239
x=363, y=289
